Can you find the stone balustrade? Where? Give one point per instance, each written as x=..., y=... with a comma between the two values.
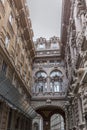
x=49, y=95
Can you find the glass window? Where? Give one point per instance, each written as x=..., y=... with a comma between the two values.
x=55, y=46
x=41, y=74
x=7, y=40
x=56, y=86
x=3, y=1
x=56, y=73
x=55, y=81
x=41, y=84
x=41, y=46
x=11, y=18
x=4, y=67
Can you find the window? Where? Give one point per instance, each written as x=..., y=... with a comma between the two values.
x=3, y=1
x=4, y=67
x=55, y=73
x=41, y=74
x=11, y=18
x=41, y=46
x=55, y=81
x=7, y=41
x=55, y=46
x=41, y=84
x=56, y=86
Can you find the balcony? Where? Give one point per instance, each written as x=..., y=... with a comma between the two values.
x=48, y=53
x=51, y=95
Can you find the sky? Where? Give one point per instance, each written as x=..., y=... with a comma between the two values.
x=45, y=16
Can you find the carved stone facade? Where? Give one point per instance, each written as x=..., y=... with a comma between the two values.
x=49, y=79
x=76, y=65
x=46, y=76
x=49, y=75
x=16, y=56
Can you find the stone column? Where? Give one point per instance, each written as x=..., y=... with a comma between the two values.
x=80, y=112
x=41, y=124
x=48, y=84
x=66, y=121
x=46, y=124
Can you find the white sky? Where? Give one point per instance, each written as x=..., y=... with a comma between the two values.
x=45, y=17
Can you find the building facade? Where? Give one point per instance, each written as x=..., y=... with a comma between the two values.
x=46, y=76
x=16, y=56
x=49, y=79
x=76, y=65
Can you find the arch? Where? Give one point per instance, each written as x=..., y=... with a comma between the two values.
x=57, y=72
x=41, y=46
x=41, y=73
x=56, y=80
x=58, y=69
x=40, y=81
x=51, y=109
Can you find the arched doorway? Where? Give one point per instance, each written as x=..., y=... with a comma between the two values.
x=47, y=112
x=56, y=122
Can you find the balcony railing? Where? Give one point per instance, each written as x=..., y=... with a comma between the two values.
x=49, y=95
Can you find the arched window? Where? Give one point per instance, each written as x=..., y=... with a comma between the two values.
x=55, y=45
x=56, y=73
x=40, y=82
x=56, y=81
x=41, y=46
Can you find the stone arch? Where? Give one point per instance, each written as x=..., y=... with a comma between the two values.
x=59, y=107
x=55, y=109
x=57, y=69
x=48, y=110
x=48, y=103
x=40, y=71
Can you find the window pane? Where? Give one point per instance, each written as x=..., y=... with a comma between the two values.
x=7, y=41
x=41, y=74
x=55, y=73
x=11, y=18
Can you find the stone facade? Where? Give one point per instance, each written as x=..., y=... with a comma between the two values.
x=46, y=76
x=76, y=65
x=49, y=78
x=16, y=56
